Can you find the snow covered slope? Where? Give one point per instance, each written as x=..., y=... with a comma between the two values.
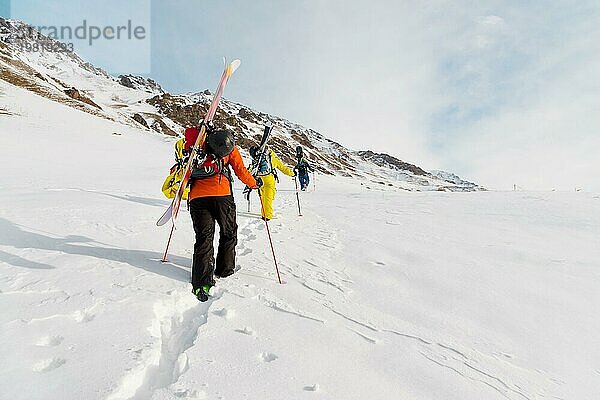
x=388, y=294
x=141, y=102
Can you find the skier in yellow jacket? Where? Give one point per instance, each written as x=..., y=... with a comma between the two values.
x=269, y=163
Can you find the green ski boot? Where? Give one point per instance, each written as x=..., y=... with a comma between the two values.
x=202, y=293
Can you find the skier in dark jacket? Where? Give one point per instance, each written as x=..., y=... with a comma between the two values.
x=211, y=199
x=302, y=168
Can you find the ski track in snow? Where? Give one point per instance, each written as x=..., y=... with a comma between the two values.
x=48, y=365
x=325, y=282
x=320, y=280
x=175, y=328
x=177, y=322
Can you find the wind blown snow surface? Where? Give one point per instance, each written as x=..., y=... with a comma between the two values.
x=387, y=295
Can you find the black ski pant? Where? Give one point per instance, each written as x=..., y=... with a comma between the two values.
x=205, y=211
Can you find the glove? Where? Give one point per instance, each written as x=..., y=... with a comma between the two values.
x=259, y=182
x=295, y=173
x=246, y=193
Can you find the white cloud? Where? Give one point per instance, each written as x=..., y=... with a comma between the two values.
x=491, y=20
x=546, y=134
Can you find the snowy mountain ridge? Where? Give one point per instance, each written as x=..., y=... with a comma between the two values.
x=31, y=60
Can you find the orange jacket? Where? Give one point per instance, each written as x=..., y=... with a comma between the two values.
x=218, y=185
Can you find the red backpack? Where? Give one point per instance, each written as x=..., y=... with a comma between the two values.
x=191, y=135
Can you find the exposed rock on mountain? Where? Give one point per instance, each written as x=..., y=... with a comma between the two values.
x=76, y=95
x=140, y=83
x=385, y=160
x=139, y=119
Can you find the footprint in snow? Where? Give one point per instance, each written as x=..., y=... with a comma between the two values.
x=225, y=313
x=267, y=357
x=245, y=252
x=136, y=353
x=83, y=316
x=246, y=331
x=312, y=388
x=50, y=341
x=189, y=394
x=48, y=364
x=216, y=292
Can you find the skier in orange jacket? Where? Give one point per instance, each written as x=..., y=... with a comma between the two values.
x=210, y=200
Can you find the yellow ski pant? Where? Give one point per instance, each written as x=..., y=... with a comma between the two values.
x=267, y=193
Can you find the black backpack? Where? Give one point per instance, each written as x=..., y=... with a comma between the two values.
x=210, y=162
x=302, y=170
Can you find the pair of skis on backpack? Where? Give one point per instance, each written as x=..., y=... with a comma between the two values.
x=258, y=156
x=172, y=211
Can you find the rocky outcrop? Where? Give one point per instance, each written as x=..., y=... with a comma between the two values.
x=76, y=95
x=186, y=114
x=454, y=180
x=140, y=83
x=175, y=108
x=250, y=116
x=387, y=161
x=140, y=120
x=160, y=126
x=302, y=139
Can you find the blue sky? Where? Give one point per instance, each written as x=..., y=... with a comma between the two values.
x=500, y=92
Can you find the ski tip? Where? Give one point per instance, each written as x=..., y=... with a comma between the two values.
x=234, y=65
x=165, y=217
x=161, y=222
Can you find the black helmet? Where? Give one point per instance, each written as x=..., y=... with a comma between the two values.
x=220, y=142
x=253, y=151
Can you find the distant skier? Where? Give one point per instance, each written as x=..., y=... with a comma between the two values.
x=268, y=163
x=302, y=167
x=211, y=199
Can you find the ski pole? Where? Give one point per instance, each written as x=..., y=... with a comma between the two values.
x=269, y=235
x=297, y=197
x=168, y=243
x=314, y=180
